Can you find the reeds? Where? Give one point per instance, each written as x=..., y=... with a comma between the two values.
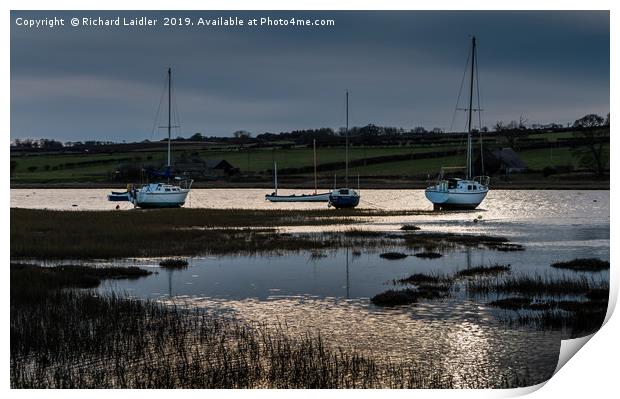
x=428, y=255
x=439, y=241
x=583, y=265
x=535, y=285
x=393, y=255
x=174, y=263
x=74, y=339
x=482, y=270
x=44, y=234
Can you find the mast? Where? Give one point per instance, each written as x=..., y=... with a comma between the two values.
x=346, y=152
x=275, y=176
x=169, y=108
x=314, y=151
x=471, y=95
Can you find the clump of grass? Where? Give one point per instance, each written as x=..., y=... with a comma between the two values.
x=428, y=255
x=409, y=227
x=314, y=255
x=395, y=297
x=420, y=278
x=579, y=322
x=482, y=270
x=69, y=275
x=583, y=265
x=435, y=240
x=507, y=247
x=513, y=303
x=363, y=233
x=393, y=255
x=408, y=296
x=598, y=294
x=535, y=285
x=174, y=263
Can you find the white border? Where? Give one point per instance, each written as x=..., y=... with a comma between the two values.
x=592, y=372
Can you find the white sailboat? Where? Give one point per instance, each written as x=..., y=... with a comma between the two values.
x=163, y=195
x=314, y=197
x=345, y=197
x=455, y=193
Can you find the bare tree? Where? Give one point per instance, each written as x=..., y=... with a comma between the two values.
x=594, y=153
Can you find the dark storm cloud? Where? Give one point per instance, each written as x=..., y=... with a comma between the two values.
x=402, y=68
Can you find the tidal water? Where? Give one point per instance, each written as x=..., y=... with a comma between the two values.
x=328, y=293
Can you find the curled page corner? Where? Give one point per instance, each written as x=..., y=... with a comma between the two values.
x=568, y=348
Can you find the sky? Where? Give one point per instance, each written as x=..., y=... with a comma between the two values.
x=402, y=69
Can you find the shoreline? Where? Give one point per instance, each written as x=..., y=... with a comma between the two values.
x=368, y=185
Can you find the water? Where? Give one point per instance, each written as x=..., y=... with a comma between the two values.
x=460, y=337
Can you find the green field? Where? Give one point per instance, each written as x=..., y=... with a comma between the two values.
x=85, y=167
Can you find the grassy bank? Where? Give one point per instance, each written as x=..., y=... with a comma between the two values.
x=176, y=232
x=73, y=339
x=45, y=234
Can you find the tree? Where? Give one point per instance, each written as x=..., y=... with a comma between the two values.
x=607, y=120
x=196, y=137
x=594, y=153
x=589, y=121
x=242, y=134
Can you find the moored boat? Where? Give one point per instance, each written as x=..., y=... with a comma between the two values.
x=345, y=197
x=163, y=194
x=314, y=197
x=456, y=193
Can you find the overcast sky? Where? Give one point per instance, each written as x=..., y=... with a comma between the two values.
x=403, y=69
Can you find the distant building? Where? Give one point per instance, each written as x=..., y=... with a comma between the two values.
x=197, y=167
x=509, y=161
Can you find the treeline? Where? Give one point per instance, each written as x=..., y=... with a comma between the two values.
x=369, y=135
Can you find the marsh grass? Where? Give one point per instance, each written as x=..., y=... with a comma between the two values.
x=393, y=255
x=428, y=255
x=41, y=278
x=427, y=286
x=441, y=241
x=482, y=270
x=174, y=263
x=583, y=265
x=45, y=234
x=536, y=307
x=421, y=278
x=534, y=285
x=69, y=338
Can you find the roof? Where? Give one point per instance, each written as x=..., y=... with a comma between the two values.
x=218, y=164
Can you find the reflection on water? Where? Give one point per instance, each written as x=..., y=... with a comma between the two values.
x=458, y=336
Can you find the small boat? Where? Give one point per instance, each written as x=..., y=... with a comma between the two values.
x=119, y=196
x=163, y=195
x=314, y=197
x=456, y=193
x=274, y=197
x=345, y=197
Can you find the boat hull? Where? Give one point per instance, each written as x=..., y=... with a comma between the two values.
x=160, y=199
x=455, y=199
x=118, y=197
x=299, y=198
x=340, y=201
